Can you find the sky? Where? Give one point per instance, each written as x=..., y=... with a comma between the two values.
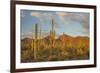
x=70, y=23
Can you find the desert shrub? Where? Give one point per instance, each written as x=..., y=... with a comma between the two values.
x=59, y=51
x=27, y=56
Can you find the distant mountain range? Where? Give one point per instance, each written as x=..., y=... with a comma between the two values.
x=62, y=39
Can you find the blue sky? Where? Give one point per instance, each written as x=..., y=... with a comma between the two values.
x=71, y=23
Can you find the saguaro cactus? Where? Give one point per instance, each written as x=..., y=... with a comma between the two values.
x=52, y=33
x=36, y=41
x=32, y=45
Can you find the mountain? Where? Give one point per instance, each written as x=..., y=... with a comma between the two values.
x=63, y=40
x=26, y=40
x=81, y=41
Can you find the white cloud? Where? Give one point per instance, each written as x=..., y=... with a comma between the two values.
x=37, y=14
x=63, y=18
x=82, y=18
x=61, y=15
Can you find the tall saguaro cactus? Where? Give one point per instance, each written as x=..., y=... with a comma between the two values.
x=36, y=41
x=52, y=34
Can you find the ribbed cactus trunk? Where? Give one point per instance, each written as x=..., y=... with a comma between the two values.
x=36, y=41
x=52, y=37
x=53, y=34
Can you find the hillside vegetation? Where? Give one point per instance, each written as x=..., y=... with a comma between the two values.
x=64, y=47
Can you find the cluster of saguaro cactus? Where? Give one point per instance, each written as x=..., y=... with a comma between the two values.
x=50, y=48
x=37, y=38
